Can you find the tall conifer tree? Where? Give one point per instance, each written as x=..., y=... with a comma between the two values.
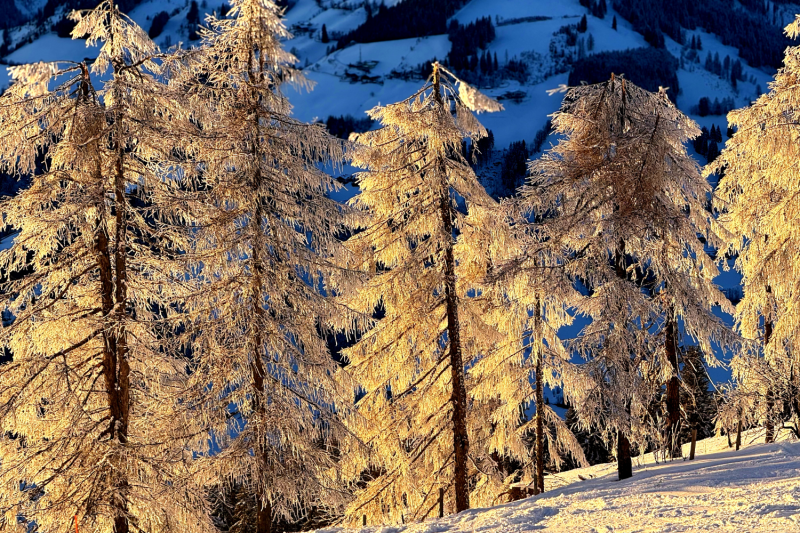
x=524, y=296
x=757, y=197
x=412, y=363
x=624, y=203
x=92, y=422
x=264, y=256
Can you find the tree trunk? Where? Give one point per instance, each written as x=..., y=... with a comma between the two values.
x=539, y=429
x=694, y=443
x=672, y=433
x=739, y=434
x=624, y=463
x=121, y=297
x=769, y=427
x=116, y=369
x=264, y=515
x=539, y=480
x=264, y=518
x=110, y=354
x=459, y=392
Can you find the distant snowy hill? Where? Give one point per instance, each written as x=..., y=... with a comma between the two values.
x=754, y=490
x=518, y=35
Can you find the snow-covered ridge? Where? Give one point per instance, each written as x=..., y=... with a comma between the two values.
x=756, y=489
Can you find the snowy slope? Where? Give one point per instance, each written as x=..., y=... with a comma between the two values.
x=754, y=490
x=517, y=122
x=336, y=95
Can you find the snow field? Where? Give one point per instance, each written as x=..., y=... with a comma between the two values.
x=754, y=490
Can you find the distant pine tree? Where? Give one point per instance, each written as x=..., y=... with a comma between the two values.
x=193, y=16
x=713, y=151
x=325, y=39
x=697, y=401
x=614, y=23
x=594, y=449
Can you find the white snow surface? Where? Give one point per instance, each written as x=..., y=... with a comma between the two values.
x=754, y=490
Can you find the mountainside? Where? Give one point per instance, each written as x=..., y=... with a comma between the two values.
x=756, y=489
x=535, y=45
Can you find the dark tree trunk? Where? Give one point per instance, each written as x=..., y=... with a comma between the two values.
x=110, y=357
x=113, y=297
x=539, y=429
x=769, y=427
x=123, y=396
x=739, y=433
x=121, y=297
x=264, y=518
x=264, y=515
x=624, y=463
x=672, y=433
x=459, y=392
x=539, y=480
x=694, y=443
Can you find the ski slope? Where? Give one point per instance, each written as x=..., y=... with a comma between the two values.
x=754, y=490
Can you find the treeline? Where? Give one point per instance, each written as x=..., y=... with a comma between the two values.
x=405, y=20
x=11, y=14
x=343, y=126
x=708, y=143
x=598, y=8
x=759, y=42
x=706, y=107
x=467, y=40
x=650, y=68
x=51, y=6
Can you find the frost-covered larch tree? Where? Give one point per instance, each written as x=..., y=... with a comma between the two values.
x=91, y=419
x=411, y=365
x=624, y=203
x=266, y=245
x=524, y=297
x=757, y=198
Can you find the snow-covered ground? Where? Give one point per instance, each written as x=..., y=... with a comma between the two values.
x=756, y=489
